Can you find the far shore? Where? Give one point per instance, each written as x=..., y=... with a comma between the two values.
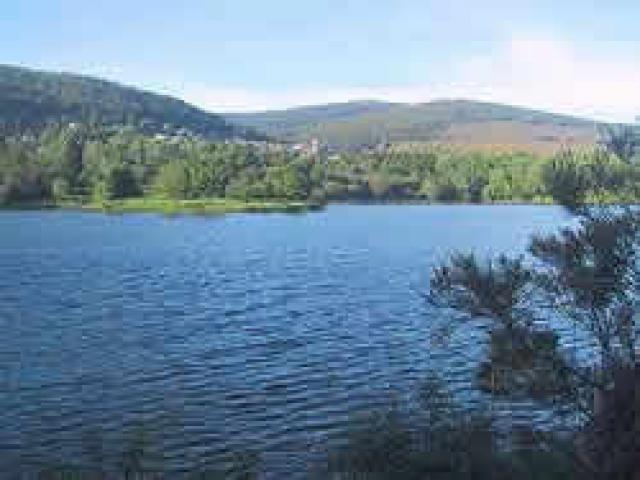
x=221, y=206
x=204, y=206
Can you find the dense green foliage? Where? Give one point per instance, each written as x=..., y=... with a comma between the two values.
x=30, y=100
x=85, y=163
x=445, y=175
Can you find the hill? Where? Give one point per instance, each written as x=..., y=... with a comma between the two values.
x=457, y=122
x=30, y=99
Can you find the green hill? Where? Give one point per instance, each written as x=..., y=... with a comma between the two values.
x=30, y=99
x=458, y=122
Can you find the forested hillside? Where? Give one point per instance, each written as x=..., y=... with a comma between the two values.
x=31, y=99
x=476, y=125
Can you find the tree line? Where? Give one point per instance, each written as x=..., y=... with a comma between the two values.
x=93, y=163
x=86, y=163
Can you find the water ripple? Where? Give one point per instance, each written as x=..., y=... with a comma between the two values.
x=218, y=335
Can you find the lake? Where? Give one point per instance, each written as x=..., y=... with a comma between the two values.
x=221, y=334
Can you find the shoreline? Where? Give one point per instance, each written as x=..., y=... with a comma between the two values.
x=223, y=206
x=206, y=206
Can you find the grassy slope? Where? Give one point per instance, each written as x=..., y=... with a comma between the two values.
x=456, y=122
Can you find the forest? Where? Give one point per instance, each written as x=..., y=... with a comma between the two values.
x=81, y=163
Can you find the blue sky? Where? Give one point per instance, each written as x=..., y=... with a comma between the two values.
x=573, y=56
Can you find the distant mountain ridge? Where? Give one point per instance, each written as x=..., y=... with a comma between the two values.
x=30, y=99
x=459, y=122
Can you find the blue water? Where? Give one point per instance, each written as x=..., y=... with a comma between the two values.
x=266, y=332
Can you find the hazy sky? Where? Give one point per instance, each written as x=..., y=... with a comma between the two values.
x=573, y=56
